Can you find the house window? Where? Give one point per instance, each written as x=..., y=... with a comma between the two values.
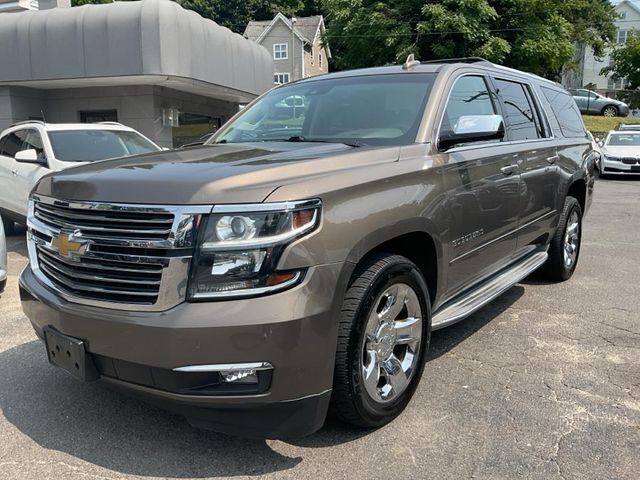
x=280, y=51
x=623, y=15
x=616, y=84
x=621, y=37
x=320, y=60
x=95, y=116
x=280, y=78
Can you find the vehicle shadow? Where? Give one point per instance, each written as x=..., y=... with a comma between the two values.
x=105, y=428
x=111, y=430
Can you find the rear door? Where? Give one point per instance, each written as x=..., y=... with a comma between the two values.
x=534, y=150
x=482, y=185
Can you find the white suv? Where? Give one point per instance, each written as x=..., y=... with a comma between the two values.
x=30, y=150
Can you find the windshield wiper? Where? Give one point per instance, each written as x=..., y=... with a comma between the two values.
x=300, y=138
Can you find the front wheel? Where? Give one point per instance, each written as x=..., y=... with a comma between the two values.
x=564, y=249
x=384, y=334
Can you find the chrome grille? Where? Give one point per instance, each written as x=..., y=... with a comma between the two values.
x=122, y=256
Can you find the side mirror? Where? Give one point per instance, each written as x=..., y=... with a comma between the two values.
x=600, y=143
x=473, y=128
x=28, y=156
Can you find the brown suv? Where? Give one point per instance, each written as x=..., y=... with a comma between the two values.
x=303, y=256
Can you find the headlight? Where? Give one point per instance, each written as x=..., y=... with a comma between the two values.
x=613, y=159
x=240, y=245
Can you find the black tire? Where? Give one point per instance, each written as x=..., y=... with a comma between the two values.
x=350, y=401
x=556, y=268
x=610, y=111
x=9, y=226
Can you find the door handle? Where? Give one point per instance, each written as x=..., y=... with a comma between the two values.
x=14, y=173
x=552, y=159
x=509, y=169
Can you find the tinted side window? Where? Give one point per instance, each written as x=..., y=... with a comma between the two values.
x=13, y=143
x=469, y=96
x=520, y=115
x=566, y=111
x=33, y=140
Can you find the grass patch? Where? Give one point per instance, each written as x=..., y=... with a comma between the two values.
x=598, y=124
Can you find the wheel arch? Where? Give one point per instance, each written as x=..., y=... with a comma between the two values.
x=414, y=239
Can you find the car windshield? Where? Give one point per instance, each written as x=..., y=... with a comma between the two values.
x=624, y=139
x=92, y=145
x=360, y=110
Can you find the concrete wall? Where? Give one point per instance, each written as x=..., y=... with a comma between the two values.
x=139, y=107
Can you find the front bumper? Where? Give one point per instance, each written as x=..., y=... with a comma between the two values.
x=295, y=331
x=3, y=279
x=614, y=167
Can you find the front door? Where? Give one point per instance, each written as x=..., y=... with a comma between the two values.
x=27, y=174
x=482, y=185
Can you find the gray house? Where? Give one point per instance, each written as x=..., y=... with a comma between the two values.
x=295, y=45
x=150, y=64
x=587, y=73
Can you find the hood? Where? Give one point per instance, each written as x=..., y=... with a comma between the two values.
x=228, y=173
x=630, y=151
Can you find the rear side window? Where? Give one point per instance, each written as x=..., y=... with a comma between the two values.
x=469, y=96
x=566, y=111
x=520, y=114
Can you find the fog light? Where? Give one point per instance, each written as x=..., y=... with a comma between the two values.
x=236, y=373
x=248, y=375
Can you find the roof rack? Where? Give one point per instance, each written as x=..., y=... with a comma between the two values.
x=459, y=60
x=108, y=123
x=40, y=122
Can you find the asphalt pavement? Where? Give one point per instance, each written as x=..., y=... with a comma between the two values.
x=542, y=383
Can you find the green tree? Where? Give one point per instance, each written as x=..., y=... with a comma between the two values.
x=534, y=35
x=626, y=65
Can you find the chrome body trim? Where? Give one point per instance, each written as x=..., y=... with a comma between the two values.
x=223, y=367
x=468, y=302
x=501, y=237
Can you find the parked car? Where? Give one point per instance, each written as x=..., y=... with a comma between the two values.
x=296, y=262
x=592, y=103
x=3, y=258
x=628, y=126
x=620, y=153
x=30, y=150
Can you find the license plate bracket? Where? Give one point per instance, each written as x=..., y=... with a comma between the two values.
x=69, y=354
x=635, y=168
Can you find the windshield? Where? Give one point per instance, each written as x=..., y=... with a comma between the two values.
x=92, y=145
x=366, y=110
x=624, y=139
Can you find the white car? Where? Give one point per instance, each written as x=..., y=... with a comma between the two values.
x=620, y=153
x=30, y=150
x=3, y=259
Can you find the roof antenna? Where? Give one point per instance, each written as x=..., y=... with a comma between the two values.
x=43, y=119
x=410, y=63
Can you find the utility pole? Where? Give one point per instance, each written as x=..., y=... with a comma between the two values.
x=293, y=65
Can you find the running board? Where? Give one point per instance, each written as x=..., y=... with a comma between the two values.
x=456, y=310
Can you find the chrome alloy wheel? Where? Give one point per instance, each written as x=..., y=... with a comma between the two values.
x=572, y=240
x=391, y=346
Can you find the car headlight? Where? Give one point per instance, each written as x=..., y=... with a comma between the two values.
x=613, y=159
x=239, y=247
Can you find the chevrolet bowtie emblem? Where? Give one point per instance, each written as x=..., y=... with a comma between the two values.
x=65, y=243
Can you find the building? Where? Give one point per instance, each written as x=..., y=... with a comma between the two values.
x=587, y=74
x=149, y=64
x=295, y=45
